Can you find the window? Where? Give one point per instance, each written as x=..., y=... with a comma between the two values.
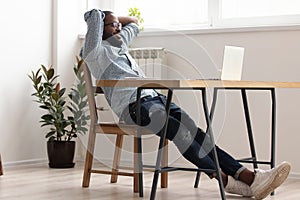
x=191, y=14
x=259, y=8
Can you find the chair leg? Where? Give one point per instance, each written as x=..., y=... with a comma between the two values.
x=164, y=163
x=89, y=158
x=1, y=169
x=135, y=166
x=117, y=157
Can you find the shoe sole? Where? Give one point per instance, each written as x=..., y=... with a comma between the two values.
x=277, y=180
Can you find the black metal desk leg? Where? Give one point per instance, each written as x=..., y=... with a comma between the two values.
x=160, y=147
x=212, y=112
x=249, y=128
x=273, y=131
x=139, y=143
x=211, y=136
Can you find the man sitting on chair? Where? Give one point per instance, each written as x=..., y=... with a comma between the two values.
x=106, y=53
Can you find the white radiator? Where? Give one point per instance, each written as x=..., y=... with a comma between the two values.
x=151, y=60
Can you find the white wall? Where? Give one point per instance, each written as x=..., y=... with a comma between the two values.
x=27, y=42
x=33, y=32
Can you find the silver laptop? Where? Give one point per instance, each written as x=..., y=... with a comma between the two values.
x=232, y=63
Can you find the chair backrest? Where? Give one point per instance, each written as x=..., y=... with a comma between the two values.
x=90, y=91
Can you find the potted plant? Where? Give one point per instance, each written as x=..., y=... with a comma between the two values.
x=65, y=119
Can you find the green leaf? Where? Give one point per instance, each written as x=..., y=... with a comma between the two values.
x=50, y=73
x=46, y=123
x=62, y=92
x=47, y=117
x=38, y=80
x=44, y=69
x=52, y=138
x=49, y=134
x=44, y=107
x=55, y=96
x=82, y=105
x=40, y=89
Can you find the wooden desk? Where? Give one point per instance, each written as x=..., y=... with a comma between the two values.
x=175, y=84
x=202, y=85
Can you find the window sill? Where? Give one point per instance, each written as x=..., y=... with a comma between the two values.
x=210, y=30
x=218, y=30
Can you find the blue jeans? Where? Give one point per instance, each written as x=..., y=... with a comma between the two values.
x=190, y=140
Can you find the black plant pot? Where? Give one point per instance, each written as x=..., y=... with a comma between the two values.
x=61, y=154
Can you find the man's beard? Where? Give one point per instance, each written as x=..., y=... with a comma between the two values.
x=115, y=40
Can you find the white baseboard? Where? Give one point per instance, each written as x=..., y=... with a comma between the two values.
x=24, y=162
x=34, y=162
x=294, y=175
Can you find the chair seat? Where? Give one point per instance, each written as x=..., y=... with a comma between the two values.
x=119, y=128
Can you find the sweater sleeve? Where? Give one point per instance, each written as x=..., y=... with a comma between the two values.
x=129, y=32
x=93, y=39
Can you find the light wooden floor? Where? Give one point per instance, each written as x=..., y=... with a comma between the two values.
x=38, y=182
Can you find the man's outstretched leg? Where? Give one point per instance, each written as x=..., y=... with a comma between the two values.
x=195, y=147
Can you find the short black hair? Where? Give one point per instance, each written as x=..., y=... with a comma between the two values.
x=107, y=12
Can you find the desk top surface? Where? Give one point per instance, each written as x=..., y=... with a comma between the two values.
x=155, y=83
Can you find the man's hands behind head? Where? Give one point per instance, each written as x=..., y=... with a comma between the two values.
x=93, y=15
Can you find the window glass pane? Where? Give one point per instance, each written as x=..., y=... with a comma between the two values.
x=259, y=8
x=157, y=13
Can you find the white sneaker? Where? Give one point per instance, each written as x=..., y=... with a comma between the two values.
x=265, y=182
x=238, y=187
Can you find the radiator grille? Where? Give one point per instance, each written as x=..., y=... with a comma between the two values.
x=150, y=59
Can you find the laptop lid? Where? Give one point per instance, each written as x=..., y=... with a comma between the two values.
x=232, y=63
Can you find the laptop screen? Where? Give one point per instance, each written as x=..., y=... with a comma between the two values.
x=232, y=63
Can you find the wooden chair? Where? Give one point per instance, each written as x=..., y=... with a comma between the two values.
x=1, y=169
x=113, y=128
